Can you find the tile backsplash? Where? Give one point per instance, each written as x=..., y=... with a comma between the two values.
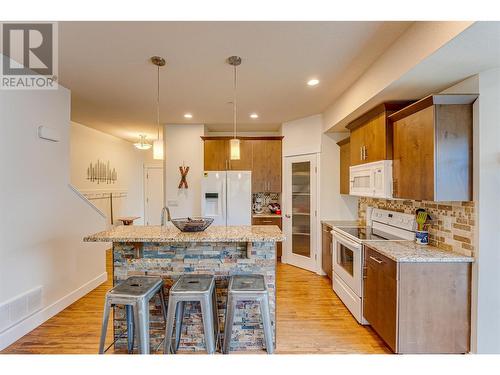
x=267, y=198
x=453, y=224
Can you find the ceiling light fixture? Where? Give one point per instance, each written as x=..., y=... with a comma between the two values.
x=254, y=115
x=313, y=82
x=143, y=144
x=234, y=144
x=188, y=115
x=158, y=143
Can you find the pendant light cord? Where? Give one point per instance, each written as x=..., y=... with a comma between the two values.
x=234, y=102
x=158, y=103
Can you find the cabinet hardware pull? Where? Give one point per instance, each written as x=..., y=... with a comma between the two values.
x=287, y=216
x=377, y=260
x=361, y=152
x=365, y=153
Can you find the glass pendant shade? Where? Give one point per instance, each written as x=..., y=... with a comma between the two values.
x=158, y=149
x=234, y=149
x=143, y=144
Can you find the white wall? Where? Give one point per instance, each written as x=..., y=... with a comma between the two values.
x=88, y=145
x=333, y=205
x=42, y=219
x=486, y=184
x=302, y=136
x=183, y=145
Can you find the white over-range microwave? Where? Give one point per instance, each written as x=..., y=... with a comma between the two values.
x=371, y=179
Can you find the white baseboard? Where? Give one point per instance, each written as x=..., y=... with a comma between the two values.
x=28, y=324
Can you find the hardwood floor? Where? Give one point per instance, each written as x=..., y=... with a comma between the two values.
x=310, y=319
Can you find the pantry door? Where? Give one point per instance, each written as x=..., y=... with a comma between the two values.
x=299, y=221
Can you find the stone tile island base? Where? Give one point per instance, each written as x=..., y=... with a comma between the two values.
x=222, y=259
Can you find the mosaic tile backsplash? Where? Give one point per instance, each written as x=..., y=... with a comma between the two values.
x=452, y=226
x=266, y=199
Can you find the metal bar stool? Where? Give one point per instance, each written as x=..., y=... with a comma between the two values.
x=192, y=288
x=135, y=293
x=248, y=288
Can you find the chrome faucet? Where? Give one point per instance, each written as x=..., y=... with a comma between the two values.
x=163, y=210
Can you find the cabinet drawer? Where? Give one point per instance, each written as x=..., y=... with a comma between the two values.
x=381, y=262
x=267, y=221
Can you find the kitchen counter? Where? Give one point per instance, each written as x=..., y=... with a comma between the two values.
x=267, y=214
x=409, y=251
x=341, y=223
x=220, y=251
x=214, y=233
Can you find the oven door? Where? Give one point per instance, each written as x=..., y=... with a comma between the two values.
x=347, y=262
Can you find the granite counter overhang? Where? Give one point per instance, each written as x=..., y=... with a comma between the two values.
x=409, y=251
x=214, y=233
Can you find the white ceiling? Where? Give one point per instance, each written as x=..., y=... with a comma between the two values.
x=113, y=84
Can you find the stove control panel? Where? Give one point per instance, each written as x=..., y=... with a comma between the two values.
x=393, y=218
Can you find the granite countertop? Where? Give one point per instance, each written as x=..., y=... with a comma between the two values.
x=169, y=233
x=409, y=251
x=266, y=214
x=341, y=223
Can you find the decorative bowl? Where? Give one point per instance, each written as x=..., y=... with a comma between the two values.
x=193, y=224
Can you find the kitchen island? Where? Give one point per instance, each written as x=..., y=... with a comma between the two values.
x=219, y=250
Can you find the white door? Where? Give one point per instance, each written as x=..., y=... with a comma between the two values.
x=300, y=211
x=239, y=198
x=153, y=194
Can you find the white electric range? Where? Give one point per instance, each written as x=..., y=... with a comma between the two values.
x=348, y=253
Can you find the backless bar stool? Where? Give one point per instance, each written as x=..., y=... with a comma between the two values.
x=248, y=288
x=192, y=288
x=135, y=293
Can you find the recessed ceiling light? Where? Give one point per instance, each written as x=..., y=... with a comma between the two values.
x=188, y=115
x=313, y=82
x=254, y=115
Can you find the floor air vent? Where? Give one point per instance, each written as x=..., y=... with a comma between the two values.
x=20, y=307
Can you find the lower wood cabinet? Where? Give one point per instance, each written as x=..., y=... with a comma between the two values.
x=270, y=221
x=326, y=253
x=418, y=307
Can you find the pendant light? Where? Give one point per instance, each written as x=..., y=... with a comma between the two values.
x=158, y=143
x=143, y=144
x=234, y=144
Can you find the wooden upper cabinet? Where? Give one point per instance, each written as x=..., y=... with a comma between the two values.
x=371, y=134
x=246, y=161
x=215, y=154
x=345, y=163
x=262, y=156
x=266, y=171
x=433, y=149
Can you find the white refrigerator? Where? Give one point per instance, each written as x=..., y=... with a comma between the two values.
x=227, y=197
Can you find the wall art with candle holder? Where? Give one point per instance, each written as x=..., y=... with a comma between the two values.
x=101, y=172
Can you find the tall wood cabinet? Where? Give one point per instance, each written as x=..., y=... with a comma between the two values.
x=418, y=307
x=371, y=134
x=262, y=156
x=433, y=149
x=345, y=163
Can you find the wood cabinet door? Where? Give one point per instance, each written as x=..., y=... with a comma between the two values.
x=259, y=166
x=357, y=142
x=413, y=164
x=380, y=296
x=375, y=139
x=326, y=254
x=345, y=162
x=215, y=154
x=274, y=163
x=245, y=163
